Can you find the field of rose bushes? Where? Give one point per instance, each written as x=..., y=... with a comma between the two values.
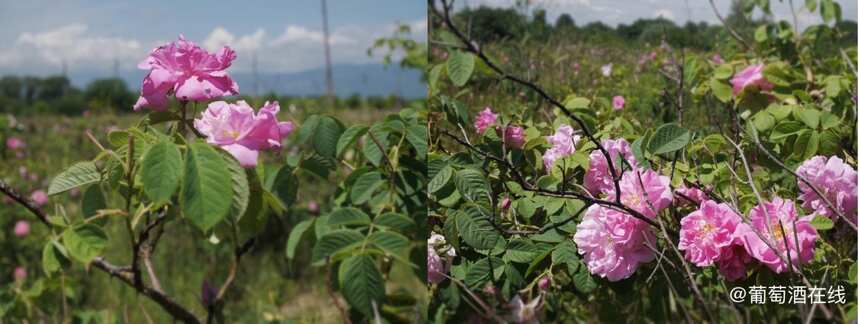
x=572, y=181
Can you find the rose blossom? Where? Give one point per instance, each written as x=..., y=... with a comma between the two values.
x=14, y=143
x=765, y=219
x=732, y=263
x=188, y=71
x=647, y=192
x=598, y=178
x=240, y=131
x=706, y=232
x=39, y=197
x=563, y=144
x=835, y=179
x=612, y=242
x=685, y=194
x=436, y=266
x=750, y=76
x=485, y=118
x=22, y=228
x=513, y=136
x=618, y=102
x=544, y=283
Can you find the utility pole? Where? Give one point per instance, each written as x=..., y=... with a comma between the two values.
x=329, y=77
x=115, y=69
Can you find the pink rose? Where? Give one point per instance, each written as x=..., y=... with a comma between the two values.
x=598, y=178
x=563, y=144
x=778, y=224
x=485, y=119
x=836, y=180
x=647, y=192
x=618, y=102
x=732, y=263
x=751, y=76
x=240, y=131
x=14, y=143
x=685, y=194
x=188, y=71
x=613, y=243
x=706, y=232
x=22, y=228
x=39, y=197
x=514, y=136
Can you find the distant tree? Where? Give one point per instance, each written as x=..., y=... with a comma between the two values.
x=565, y=21
x=493, y=24
x=538, y=27
x=109, y=93
x=11, y=87
x=53, y=87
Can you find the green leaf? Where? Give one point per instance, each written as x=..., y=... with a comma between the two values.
x=853, y=272
x=77, y=175
x=472, y=184
x=361, y=284
x=480, y=271
x=254, y=220
x=92, y=201
x=350, y=136
x=583, y=281
x=390, y=242
x=375, y=150
x=205, y=198
x=348, y=216
x=822, y=223
x=763, y=121
x=335, y=241
x=723, y=72
x=54, y=258
x=565, y=253
x=318, y=165
x=241, y=188
x=308, y=128
x=785, y=129
x=460, y=65
x=475, y=228
x=669, y=138
x=417, y=136
x=394, y=221
x=295, y=237
x=285, y=185
x=441, y=178
x=761, y=34
x=828, y=10
x=85, y=242
x=161, y=171
x=577, y=102
x=364, y=187
x=811, y=5
x=721, y=90
x=811, y=117
x=327, y=135
x=806, y=144
x=520, y=250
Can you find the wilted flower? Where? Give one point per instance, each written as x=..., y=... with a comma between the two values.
x=598, y=178
x=606, y=70
x=522, y=313
x=437, y=268
x=14, y=143
x=750, y=76
x=778, y=224
x=188, y=71
x=513, y=136
x=238, y=130
x=618, y=102
x=563, y=144
x=732, y=263
x=39, y=197
x=707, y=232
x=613, y=243
x=836, y=180
x=22, y=228
x=505, y=203
x=485, y=119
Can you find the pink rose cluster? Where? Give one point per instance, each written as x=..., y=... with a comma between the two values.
x=186, y=70
x=836, y=180
x=485, y=118
x=239, y=130
x=751, y=76
x=618, y=102
x=563, y=144
x=715, y=234
x=614, y=243
x=191, y=73
x=511, y=135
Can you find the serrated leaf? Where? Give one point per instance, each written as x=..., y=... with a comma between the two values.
x=460, y=65
x=669, y=138
x=375, y=144
x=54, y=258
x=721, y=90
x=440, y=179
x=285, y=185
x=205, y=199
x=471, y=184
x=326, y=136
x=390, y=242
x=333, y=242
x=241, y=188
x=520, y=250
x=85, y=242
x=362, y=284
x=822, y=223
x=583, y=281
x=365, y=186
x=417, y=137
x=349, y=136
x=475, y=228
x=394, y=221
x=77, y=175
x=295, y=237
x=92, y=201
x=348, y=216
x=161, y=171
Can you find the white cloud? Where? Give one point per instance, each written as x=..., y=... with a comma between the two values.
x=298, y=34
x=71, y=44
x=664, y=13
x=220, y=37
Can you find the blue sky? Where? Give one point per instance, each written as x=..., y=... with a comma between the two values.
x=36, y=36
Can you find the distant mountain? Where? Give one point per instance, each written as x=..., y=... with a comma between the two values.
x=363, y=79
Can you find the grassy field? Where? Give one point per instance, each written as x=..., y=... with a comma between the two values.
x=268, y=286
